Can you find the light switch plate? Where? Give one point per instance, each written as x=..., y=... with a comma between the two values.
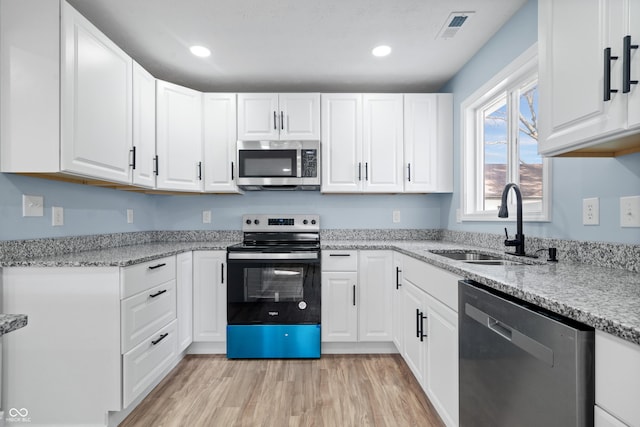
x=57, y=216
x=630, y=211
x=129, y=216
x=32, y=205
x=206, y=217
x=396, y=216
x=591, y=211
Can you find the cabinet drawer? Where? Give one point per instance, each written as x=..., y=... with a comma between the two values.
x=617, y=377
x=335, y=260
x=146, y=312
x=435, y=281
x=142, y=365
x=143, y=276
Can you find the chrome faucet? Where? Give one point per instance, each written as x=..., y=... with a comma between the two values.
x=518, y=242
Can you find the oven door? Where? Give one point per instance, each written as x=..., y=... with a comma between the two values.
x=273, y=288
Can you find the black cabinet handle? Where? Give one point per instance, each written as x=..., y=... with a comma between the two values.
x=281, y=120
x=366, y=171
x=626, y=65
x=133, y=157
x=162, y=336
x=155, y=160
x=153, y=267
x=232, y=178
x=354, y=295
x=607, y=74
x=158, y=293
x=359, y=171
x=200, y=171
x=422, y=334
x=339, y=254
x=398, y=284
x=418, y=331
x=409, y=167
x=275, y=118
x=222, y=273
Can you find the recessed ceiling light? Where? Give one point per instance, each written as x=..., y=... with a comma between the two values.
x=200, y=51
x=381, y=50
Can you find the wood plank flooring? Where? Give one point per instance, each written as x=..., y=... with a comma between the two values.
x=334, y=391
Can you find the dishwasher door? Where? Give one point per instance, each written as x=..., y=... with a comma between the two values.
x=521, y=365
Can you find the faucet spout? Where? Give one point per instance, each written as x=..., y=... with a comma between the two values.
x=518, y=242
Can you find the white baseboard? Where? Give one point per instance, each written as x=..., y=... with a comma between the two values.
x=358, y=348
x=207, y=348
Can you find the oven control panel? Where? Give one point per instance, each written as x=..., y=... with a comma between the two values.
x=284, y=223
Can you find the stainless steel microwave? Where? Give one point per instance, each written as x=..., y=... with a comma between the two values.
x=278, y=165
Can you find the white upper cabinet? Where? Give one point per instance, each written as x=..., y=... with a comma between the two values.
x=96, y=130
x=272, y=116
x=144, y=127
x=587, y=102
x=382, y=143
x=341, y=142
x=428, y=143
x=179, y=138
x=220, y=142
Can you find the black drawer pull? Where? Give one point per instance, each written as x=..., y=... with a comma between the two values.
x=158, y=293
x=339, y=254
x=162, y=336
x=153, y=267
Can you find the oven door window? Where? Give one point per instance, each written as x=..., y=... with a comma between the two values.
x=268, y=163
x=270, y=292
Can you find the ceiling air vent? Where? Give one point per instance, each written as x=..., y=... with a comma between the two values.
x=454, y=22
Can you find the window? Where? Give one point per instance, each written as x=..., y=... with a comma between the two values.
x=500, y=145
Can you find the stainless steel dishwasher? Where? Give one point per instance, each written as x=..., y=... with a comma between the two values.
x=521, y=365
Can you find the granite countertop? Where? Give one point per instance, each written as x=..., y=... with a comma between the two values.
x=11, y=322
x=607, y=299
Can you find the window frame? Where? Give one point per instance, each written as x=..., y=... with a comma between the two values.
x=503, y=85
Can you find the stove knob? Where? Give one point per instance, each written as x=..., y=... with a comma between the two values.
x=313, y=222
x=305, y=222
x=256, y=222
x=248, y=222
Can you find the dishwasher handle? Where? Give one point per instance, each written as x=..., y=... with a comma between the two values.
x=517, y=338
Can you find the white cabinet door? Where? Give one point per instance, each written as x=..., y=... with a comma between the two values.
x=415, y=346
x=179, y=137
x=258, y=116
x=96, y=132
x=375, y=306
x=144, y=127
x=220, y=142
x=339, y=309
x=572, y=105
x=428, y=143
x=209, y=296
x=383, y=143
x=299, y=116
x=633, y=101
x=397, y=290
x=602, y=418
x=441, y=364
x=184, y=298
x=342, y=143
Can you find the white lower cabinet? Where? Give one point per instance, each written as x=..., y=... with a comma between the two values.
x=356, y=296
x=184, y=299
x=397, y=311
x=209, y=296
x=430, y=333
x=617, y=381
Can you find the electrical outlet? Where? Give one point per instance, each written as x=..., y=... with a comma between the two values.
x=630, y=211
x=129, y=216
x=396, y=216
x=57, y=216
x=591, y=211
x=32, y=205
x=206, y=217
x=458, y=215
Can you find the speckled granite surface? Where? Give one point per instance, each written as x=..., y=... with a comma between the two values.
x=11, y=322
x=596, y=294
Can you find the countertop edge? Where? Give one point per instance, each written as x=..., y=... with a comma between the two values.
x=12, y=322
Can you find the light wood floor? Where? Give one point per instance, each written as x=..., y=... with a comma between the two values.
x=334, y=391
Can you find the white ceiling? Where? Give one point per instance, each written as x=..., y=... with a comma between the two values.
x=298, y=45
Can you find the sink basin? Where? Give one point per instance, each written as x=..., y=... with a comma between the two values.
x=495, y=262
x=468, y=256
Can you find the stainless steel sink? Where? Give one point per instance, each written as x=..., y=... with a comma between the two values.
x=495, y=262
x=468, y=256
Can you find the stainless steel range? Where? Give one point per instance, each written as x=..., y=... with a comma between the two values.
x=273, y=288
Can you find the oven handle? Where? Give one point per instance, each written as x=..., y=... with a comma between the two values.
x=273, y=256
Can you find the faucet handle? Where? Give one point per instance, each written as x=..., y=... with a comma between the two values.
x=506, y=233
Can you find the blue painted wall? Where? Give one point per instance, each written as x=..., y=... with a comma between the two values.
x=573, y=178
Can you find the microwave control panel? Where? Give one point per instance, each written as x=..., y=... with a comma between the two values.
x=309, y=163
